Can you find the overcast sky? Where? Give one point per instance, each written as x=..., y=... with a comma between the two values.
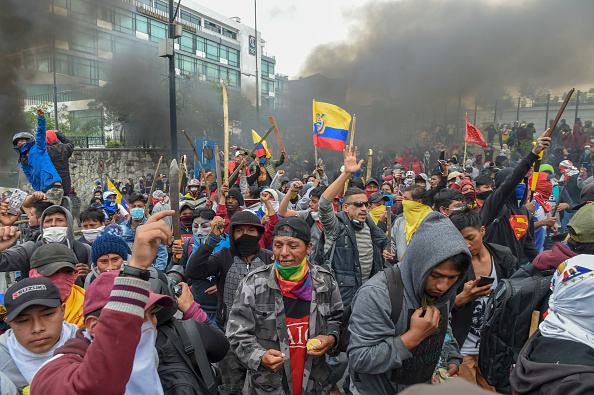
x=291, y=28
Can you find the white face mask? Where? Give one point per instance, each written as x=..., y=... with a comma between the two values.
x=57, y=234
x=91, y=234
x=144, y=378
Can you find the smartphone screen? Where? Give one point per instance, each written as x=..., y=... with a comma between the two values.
x=442, y=155
x=401, y=189
x=485, y=280
x=16, y=201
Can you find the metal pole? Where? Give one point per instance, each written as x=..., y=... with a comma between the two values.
x=577, y=106
x=55, y=86
x=547, y=112
x=518, y=113
x=257, y=65
x=172, y=106
x=495, y=115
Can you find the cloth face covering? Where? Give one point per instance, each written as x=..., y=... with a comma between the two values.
x=186, y=220
x=144, y=378
x=520, y=189
x=64, y=282
x=56, y=234
x=29, y=362
x=414, y=214
x=91, y=234
x=246, y=245
x=571, y=314
x=137, y=213
x=295, y=281
x=110, y=206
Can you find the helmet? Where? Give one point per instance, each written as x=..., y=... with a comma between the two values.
x=193, y=183
x=23, y=147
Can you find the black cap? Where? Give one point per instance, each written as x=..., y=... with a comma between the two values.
x=586, y=196
x=51, y=257
x=376, y=197
x=236, y=193
x=300, y=229
x=33, y=291
x=370, y=180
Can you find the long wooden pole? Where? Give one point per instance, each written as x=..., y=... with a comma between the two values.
x=278, y=137
x=198, y=160
x=346, y=183
x=369, y=164
x=153, y=184
x=251, y=152
x=217, y=165
x=226, y=141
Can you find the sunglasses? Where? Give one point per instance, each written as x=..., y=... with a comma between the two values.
x=360, y=204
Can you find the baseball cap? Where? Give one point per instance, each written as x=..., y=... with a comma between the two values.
x=37, y=291
x=370, y=180
x=51, y=257
x=300, y=229
x=587, y=195
x=453, y=174
x=421, y=176
x=376, y=197
x=580, y=226
x=97, y=294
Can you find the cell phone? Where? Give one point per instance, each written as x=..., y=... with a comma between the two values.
x=485, y=280
x=442, y=155
x=401, y=189
x=16, y=200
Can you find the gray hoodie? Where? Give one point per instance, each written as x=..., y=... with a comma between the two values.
x=375, y=347
x=18, y=258
x=7, y=365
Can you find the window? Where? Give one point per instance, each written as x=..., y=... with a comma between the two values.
x=104, y=42
x=212, y=72
x=122, y=45
x=267, y=68
x=142, y=24
x=200, y=67
x=186, y=64
x=84, y=117
x=186, y=42
x=83, y=41
x=104, y=12
x=158, y=30
x=281, y=86
x=83, y=9
x=200, y=44
x=123, y=21
x=233, y=57
x=82, y=67
x=229, y=33
x=267, y=86
x=62, y=64
x=190, y=18
x=212, y=50
x=39, y=62
x=233, y=77
x=162, y=6
x=212, y=26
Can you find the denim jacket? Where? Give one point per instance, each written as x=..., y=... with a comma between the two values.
x=128, y=235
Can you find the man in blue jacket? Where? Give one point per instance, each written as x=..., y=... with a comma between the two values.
x=35, y=161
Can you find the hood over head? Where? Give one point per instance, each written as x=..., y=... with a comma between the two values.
x=50, y=137
x=500, y=177
x=417, y=264
x=69, y=221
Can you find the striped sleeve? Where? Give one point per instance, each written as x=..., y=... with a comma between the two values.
x=129, y=295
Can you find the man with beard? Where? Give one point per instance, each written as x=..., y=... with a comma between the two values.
x=230, y=265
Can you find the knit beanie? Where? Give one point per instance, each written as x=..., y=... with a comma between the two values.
x=110, y=241
x=236, y=193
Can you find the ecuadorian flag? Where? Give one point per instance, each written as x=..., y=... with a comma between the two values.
x=330, y=126
x=262, y=148
x=119, y=198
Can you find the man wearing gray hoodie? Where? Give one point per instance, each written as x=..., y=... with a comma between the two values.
x=384, y=356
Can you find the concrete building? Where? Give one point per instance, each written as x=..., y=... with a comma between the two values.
x=212, y=46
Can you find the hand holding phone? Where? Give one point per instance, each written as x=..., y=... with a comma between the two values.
x=15, y=201
x=485, y=280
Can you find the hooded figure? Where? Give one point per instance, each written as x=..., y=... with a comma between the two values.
x=59, y=149
x=559, y=358
x=377, y=354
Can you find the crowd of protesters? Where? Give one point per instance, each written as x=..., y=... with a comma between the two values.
x=315, y=283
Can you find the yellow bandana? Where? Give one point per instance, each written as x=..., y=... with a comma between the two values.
x=414, y=214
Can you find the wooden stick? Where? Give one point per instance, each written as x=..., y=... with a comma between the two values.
x=251, y=152
x=534, y=321
x=217, y=166
x=278, y=137
x=369, y=163
x=346, y=183
x=148, y=203
x=198, y=160
x=174, y=199
x=560, y=113
x=226, y=141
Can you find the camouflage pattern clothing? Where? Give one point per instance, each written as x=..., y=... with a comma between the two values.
x=257, y=323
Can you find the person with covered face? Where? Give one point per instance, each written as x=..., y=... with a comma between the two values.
x=267, y=166
x=35, y=312
x=387, y=356
x=230, y=265
x=277, y=345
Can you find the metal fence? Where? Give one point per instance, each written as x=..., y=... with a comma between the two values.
x=88, y=142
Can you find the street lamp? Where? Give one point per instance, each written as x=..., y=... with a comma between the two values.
x=257, y=68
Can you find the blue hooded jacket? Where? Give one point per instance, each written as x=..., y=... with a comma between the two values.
x=40, y=170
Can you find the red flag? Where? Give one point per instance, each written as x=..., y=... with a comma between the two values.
x=473, y=135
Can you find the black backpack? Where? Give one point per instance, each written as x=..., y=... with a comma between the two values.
x=507, y=321
x=396, y=292
x=184, y=368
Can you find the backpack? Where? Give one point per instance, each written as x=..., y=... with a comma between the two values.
x=507, y=322
x=186, y=370
x=396, y=293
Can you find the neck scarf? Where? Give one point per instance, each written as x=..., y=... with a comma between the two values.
x=29, y=362
x=543, y=190
x=414, y=214
x=295, y=281
x=144, y=378
x=571, y=314
x=375, y=213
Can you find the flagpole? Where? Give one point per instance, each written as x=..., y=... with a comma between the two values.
x=316, y=157
x=465, y=142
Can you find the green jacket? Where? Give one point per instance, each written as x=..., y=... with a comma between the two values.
x=257, y=323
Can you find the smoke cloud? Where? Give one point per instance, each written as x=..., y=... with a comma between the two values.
x=409, y=59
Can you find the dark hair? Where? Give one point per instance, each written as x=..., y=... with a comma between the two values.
x=205, y=213
x=388, y=184
x=461, y=262
x=317, y=192
x=445, y=197
x=436, y=173
x=137, y=198
x=466, y=218
x=288, y=228
x=483, y=179
x=40, y=207
x=53, y=209
x=95, y=313
x=350, y=192
x=254, y=191
x=418, y=193
x=91, y=214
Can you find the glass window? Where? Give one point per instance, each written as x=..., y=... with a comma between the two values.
x=212, y=50
x=38, y=62
x=158, y=30
x=212, y=72
x=200, y=67
x=185, y=63
x=229, y=33
x=161, y=5
x=82, y=9
x=191, y=18
x=223, y=51
x=104, y=12
x=186, y=42
x=123, y=21
x=83, y=41
x=81, y=67
x=233, y=77
x=103, y=70
x=200, y=44
x=122, y=45
x=212, y=26
x=142, y=24
x=61, y=3
x=62, y=64
x=104, y=42
x=233, y=57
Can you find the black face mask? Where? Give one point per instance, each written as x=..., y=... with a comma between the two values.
x=483, y=195
x=358, y=225
x=245, y=245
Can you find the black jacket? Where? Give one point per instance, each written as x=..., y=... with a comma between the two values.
x=505, y=265
x=554, y=367
x=60, y=152
x=513, y=229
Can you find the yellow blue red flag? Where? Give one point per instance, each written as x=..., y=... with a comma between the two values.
x=262, y=148
x=330, y=126
x=119, y=198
